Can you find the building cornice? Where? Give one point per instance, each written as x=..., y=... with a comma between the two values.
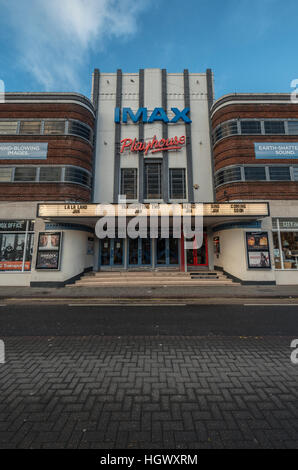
x=61, y=98
x=250, y=98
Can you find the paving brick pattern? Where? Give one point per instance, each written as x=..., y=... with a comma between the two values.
x=145, y=392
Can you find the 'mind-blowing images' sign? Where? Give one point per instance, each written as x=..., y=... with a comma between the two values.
x=27, y=150
x=276, y=150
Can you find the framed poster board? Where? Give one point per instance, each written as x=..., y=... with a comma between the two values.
x=90, y=246
x=258, y=253
x=216, y=245
x=48, y=251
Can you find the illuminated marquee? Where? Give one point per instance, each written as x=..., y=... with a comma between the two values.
x=254, y=209
x=154, y=146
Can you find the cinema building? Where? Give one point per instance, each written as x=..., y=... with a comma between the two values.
x=147, y=141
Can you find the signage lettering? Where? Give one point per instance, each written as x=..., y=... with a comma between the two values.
x=158, y=114
x=209, y=210
x=277, y=151
x=154, y=145
x=23, y=151
x=13, y=225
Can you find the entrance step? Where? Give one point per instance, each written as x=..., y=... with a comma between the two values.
x=135, y=275
x=126, y=278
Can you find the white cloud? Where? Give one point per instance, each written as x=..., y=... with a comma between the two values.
x=54, y=37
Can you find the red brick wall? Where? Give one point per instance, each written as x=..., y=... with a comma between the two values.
x=255, y=111
x=46, y=111
x=252, y=190
x=62, y=150
x=240, y=149
x=43, y=192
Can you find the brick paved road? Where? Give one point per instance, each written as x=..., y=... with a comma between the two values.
x=145, y=392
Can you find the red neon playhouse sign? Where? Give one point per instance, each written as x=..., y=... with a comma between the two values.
x=154, y=145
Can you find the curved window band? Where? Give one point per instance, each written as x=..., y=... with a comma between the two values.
x=255, y=127
x=46, y=127
x=46, y=174
x=256, y=174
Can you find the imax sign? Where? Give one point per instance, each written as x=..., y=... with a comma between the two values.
x=159, y=114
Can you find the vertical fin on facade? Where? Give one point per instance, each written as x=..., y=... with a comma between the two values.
x=188, y=140
x=95, y=101
x=210, y=98
x=95, y=88
x=117, y=138
x=165, y=135
x=141, y=134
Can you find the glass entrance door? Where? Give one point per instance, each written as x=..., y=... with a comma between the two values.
x=133, y=252
x=139, y=252
x=167, y=252
x=198, y=256
x=111, y=252
x=118, y=252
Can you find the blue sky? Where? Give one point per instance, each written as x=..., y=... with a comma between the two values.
x=54, y=45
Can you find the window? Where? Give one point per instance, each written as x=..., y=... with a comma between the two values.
x=254, y=127
x=30, y=127
x=77, y=175
x=286, y=250
x=177, y=183
x=229, y=128
x=285, y=236
x=45, y=174
x=8, y=127
x=293, y=127
x=16, y=245
x=129, y=182
x=54, y=127
x=255, y=173
x=77, y=128
x=50, y=174
x=225, y=129
x=152, y=182
x=274, y=127
x=251, y=127
x=25, y=174
x=277, y=251
x=279, y=173
x=5, y=175
x=217, y=134
x=227, y=176
x=296, y=173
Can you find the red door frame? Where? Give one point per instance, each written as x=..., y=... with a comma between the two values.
x=195, y=257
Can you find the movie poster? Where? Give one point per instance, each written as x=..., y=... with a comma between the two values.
x=47, y=260
x=49, y=241
x=48, y=255
x=258, y=253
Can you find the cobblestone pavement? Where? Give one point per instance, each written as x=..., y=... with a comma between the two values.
x=145, y=392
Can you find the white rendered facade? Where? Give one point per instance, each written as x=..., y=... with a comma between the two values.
x=149, y=91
